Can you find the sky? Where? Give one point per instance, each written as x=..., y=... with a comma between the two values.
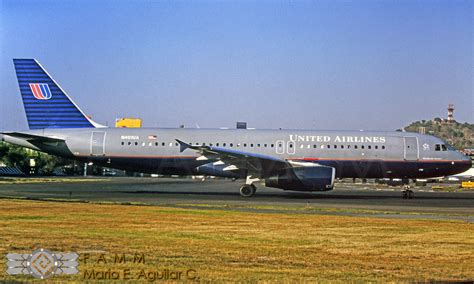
x=372, y=65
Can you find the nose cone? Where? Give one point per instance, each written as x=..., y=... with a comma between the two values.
x=465, y=161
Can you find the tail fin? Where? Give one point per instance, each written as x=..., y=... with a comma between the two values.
x=46, y=104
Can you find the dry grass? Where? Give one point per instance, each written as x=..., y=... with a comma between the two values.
x=239, y=246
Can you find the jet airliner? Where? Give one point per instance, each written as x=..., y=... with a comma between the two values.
x=298, y=160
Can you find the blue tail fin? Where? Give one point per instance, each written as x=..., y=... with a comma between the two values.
x=46, y=104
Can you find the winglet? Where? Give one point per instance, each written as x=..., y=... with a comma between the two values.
x=182, y=145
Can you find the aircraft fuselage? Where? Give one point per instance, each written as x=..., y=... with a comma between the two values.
x=354, y=154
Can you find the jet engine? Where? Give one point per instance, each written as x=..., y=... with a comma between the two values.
x=307, y=178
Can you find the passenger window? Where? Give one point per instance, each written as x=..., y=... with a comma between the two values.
x=245, y=145
x=329, y=146
x=376, y=147
x=224, y=144
x=231, y=144
x=348, y=146
x=171, y=144
x=383, y=147
x=150, y=144
x=265, y=145
x=258, y=145
x=370, y=147
x=123, y=143
x=251, y=145
x=443, y=147
x=437, y=147
x=217, y=144
x=272, y=145
x=355, y=146
x=362, y=147
x=315, y=146
x=129, y=143
x=342, y=146
x=335, y=146
x=136, y=143
x=163, y=144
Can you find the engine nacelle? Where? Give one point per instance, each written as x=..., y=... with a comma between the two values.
x=313, y=178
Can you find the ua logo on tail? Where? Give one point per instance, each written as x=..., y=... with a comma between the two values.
x=41, y=91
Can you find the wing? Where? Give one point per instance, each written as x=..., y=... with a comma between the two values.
x=257, y=165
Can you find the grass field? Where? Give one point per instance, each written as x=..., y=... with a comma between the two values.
x=224, y=245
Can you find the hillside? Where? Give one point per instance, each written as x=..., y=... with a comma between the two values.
x=460, y=135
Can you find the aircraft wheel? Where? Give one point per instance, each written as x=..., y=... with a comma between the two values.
x=248, y=190
x=408, y=194
x=405, y=194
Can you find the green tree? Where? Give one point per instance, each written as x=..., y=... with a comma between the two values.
x=16, y=157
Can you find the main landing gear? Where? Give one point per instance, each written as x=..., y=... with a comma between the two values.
x=407, y=193
x=249, y=189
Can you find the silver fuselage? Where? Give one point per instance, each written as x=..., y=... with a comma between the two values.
x=354, y=154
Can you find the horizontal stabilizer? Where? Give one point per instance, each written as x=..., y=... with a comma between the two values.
x=32, y=137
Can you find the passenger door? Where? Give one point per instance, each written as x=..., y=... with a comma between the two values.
x=410, y=151
x=280, y=147
x=290, y=147
x=98, y=143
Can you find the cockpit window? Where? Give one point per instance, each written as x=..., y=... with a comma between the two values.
x=443, y=147
x=450, y=148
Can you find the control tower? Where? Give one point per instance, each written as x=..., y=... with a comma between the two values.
x=451, y=113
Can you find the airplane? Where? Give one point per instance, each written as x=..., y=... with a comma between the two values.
x=295, y=160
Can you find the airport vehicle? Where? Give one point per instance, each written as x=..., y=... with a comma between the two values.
x=299, y=160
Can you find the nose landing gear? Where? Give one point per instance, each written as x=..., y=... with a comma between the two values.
x=408, y=193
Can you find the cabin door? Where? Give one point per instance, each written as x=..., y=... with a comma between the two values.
x=98, y=143
x=290, y=147
x=411, y=152
x=280, y=147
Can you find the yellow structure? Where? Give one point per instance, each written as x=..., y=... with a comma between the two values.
x=128, y=123
x=467, y=184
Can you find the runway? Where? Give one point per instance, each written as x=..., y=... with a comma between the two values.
x=346, y=199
